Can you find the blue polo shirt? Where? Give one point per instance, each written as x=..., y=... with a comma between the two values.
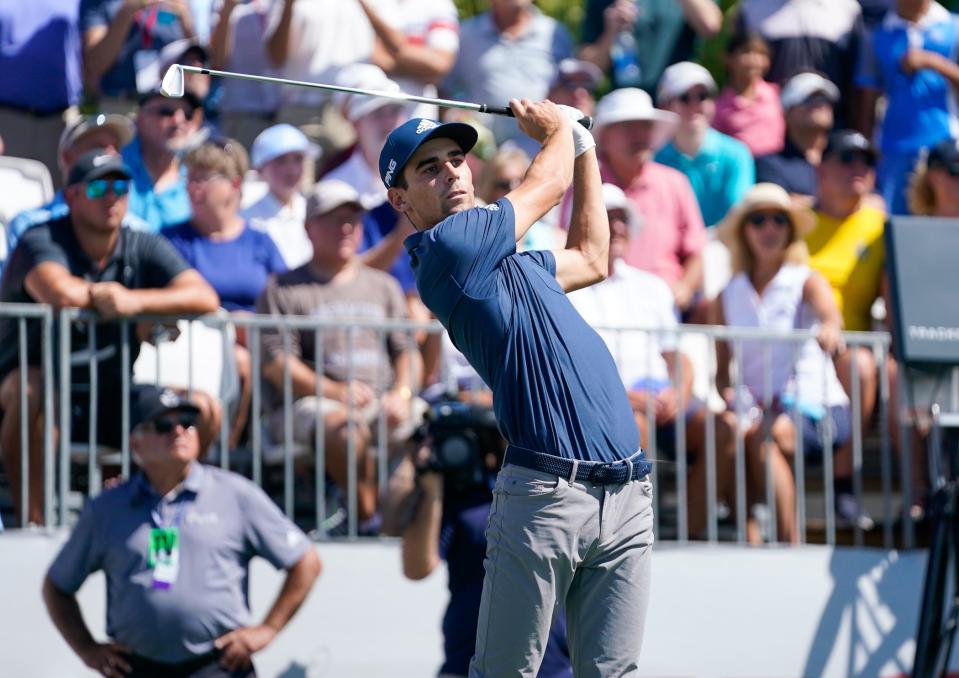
x=40, y=55
x=720, y=173
x=555, y=386
x=224, y=520
x=166, y=208
x=921, y=107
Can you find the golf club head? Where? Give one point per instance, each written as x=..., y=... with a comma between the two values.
x=173, y=85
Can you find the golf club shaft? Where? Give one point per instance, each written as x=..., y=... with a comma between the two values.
x=586, y=121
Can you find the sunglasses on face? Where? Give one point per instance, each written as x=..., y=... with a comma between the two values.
x=170, y=111
x=694, y=97
x=759, y=219
x=99, y=187
x=849, y=157
x=952, y=169
x=164, y=425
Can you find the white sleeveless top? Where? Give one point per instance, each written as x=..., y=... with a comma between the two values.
x=799, y=371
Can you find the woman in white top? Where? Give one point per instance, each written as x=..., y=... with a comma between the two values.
x=773, y=288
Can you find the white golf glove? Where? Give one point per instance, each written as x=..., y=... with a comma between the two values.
x=582, y=138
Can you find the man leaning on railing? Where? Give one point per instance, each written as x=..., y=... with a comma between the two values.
x=86, y=260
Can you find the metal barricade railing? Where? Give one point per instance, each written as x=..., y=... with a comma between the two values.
x=272, y=456
x=824, y=509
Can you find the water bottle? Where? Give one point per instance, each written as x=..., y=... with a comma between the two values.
x=626, y=70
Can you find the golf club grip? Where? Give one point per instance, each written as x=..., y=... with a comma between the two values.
x=586, y=121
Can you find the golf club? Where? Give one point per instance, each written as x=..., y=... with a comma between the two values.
x=173, y=86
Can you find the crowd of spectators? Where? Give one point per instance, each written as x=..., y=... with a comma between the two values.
x=271, y=195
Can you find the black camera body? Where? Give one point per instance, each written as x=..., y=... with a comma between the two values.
x=460, y=436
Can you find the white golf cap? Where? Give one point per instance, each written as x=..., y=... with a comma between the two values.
x=803, y=85
x=682, y=77
x=631, y=103
x=279, y=140
x=615, y=199
x=327, y=195
x=363, y=76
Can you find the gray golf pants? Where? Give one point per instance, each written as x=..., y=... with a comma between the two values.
x=552, y=544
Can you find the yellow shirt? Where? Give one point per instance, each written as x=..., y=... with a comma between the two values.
x=850, y=255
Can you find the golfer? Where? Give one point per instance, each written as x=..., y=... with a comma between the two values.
x=571, y=521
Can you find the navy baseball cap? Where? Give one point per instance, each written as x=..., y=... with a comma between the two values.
x=402, y=143
x=147, y=402
x=847, y=140
x=96, y=164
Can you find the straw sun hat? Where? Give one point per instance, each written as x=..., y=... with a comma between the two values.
x=765, y=196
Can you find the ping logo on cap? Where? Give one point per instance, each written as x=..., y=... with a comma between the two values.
x=426, y=126
x=389, y=171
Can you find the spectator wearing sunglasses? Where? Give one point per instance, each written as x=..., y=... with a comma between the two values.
x=86, y=260
x=111, y=133
x=807, y=100
x=165, y=129
x=719, y=168
x=175, y=543
x=774, y=288
x=846, y=248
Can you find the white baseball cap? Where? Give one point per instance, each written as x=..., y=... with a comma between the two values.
x=682, y=77
x=803, y=85
x=615, y=199
x=631, y=103
x=363, y=76
x=279, y=140
x=328, y=194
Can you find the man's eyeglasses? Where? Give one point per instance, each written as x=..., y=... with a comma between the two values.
x=759, y=219
x=170, y=111
x=694, y=97
x=99, y=187
x=164, y=425
x=204, y=179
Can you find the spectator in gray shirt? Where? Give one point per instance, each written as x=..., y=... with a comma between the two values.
x=175, y=543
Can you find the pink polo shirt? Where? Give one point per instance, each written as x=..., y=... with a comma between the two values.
x=757, y=122
x=672, y=228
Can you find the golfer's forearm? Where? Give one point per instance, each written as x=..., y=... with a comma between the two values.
x=553, y=165
x=589, y=226
x=65, y=613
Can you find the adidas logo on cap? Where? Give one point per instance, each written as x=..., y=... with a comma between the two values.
x=426, y=126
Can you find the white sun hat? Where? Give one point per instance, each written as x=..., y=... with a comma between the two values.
x=631, y=103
